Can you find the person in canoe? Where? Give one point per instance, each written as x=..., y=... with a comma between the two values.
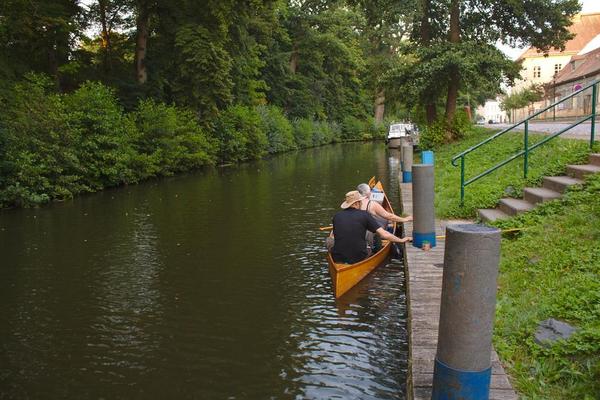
x=379, y=213
x=376, y=210
x=350, y=227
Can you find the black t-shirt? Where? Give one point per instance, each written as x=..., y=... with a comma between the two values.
x=349, y=228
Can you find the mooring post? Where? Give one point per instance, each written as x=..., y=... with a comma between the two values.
x=427, y=157
x=403, y=141
x=423, y=207
x=407, y=162
x=463, y=361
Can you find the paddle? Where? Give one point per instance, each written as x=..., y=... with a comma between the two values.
x=372, y=182
x=330, y=227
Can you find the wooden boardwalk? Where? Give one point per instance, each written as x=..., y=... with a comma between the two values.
x=424, y=289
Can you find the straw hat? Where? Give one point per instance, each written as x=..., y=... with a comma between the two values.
x=351, y=198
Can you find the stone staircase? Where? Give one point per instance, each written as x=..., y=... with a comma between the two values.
x=552, y=188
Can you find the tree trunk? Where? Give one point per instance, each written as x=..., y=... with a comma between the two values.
x=294, y=60
x=454, y=74
x=53, y=64
x=105, y=35
x=141, y=42
x=379, y=106
x=430, y=112
x=430, y=107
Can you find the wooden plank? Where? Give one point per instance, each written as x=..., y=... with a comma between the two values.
x=422, y=393
x=424, y=285
x=426, y=380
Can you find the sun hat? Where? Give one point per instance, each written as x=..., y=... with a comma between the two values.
x=351, y=198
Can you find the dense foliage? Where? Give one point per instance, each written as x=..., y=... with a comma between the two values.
x=55, y=145
x=107, y=92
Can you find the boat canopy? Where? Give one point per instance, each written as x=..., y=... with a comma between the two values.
x=400, y=130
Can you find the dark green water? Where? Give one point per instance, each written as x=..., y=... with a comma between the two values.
x=212, y=285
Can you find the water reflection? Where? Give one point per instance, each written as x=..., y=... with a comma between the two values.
x=207, y=285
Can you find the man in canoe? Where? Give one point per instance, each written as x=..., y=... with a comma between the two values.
x=350, y=227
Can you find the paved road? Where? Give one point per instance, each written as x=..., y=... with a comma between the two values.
x=582, y=131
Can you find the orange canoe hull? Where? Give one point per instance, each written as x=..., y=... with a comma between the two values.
x=346, y=276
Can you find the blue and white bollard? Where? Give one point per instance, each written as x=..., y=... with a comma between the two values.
x=463, y=364
x=427, y=157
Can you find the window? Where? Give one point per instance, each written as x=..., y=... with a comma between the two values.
x=537, y=71
x=557, y=68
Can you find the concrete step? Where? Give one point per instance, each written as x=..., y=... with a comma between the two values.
x=514, y=206
x=491, y=214
x=595, y=159
x=580, y=171
x=539, y=195
x=560, y=183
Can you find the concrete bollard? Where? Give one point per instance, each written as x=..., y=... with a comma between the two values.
x=427, y=157
x=403, y=140
x=407, y=162
x=423, y=207
x=463, y=361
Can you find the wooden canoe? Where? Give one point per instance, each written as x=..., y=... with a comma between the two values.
x=346, y=276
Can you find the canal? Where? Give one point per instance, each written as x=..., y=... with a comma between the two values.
x=210, y=285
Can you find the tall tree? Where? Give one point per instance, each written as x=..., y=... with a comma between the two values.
x=38, y=35
x=142, y=21
x=111, y=16
x=386, y=25
x=455, y=38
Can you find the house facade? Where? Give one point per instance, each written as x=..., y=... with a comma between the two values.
x=541, y=68
x=491, y=111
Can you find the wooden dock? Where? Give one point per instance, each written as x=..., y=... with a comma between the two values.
x=424, y=288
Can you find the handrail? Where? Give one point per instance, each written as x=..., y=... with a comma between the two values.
x=502, y=132
x=478, y=145
x=526, y=147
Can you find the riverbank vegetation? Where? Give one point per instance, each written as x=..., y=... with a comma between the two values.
x=56, y=145
x=546, y=160
x=107, y=92
x=552, y=270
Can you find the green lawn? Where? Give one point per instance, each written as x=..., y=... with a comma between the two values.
x=552, y=270
x=549, y=270
x=548, y=159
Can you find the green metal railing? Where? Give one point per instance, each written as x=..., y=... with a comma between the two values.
x=526, y=148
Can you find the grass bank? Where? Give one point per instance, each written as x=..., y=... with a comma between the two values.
x=549, y=159
x=552, y=270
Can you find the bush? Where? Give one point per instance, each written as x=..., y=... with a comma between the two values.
x=442, y=132
x=352, y=128
x=38, y=161
x=241, y=135
x=323, y=133
x=105, y=140
x=278, y=128
x=170, y=140
x=336, y=132
x=303, y=132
